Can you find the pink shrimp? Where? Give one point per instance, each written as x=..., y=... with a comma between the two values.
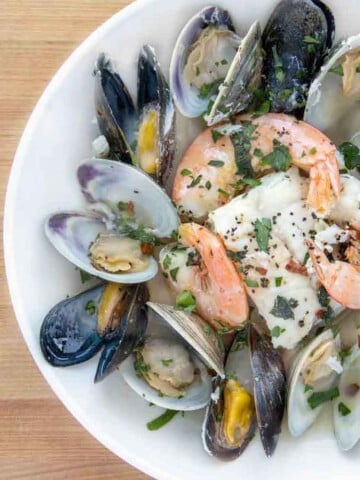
x=208, y=171
x=217, y=287
x=340, y=279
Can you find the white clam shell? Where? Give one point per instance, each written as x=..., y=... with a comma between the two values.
x=105, y=183
x=197, y=395
x=347, y=427
x=327, y=108
x=300, y=415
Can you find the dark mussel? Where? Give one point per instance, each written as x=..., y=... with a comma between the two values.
x=156, y=132
x=269, y=388
x=230, y=420
x=296, y=38
x=109, y=315
x=115, y=110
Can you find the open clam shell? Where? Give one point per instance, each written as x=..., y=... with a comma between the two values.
x=104, y=182
x=327, y=107
x=301, y=415
x=187, y=97
x=346, y=408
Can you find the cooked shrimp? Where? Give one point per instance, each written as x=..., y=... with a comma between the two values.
x=212, y=279
x=204, y=176
x=310, y=150
x=340, y=279
x=207, y=173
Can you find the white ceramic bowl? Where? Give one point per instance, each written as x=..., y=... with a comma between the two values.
x=57, y=138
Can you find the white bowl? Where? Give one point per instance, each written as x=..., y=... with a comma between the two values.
x=56, y=140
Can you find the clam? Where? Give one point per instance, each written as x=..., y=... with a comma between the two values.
x=213, y=71
x=312, y=381
x=253, y=392
x=112, y=317
x=296, y=38
x=170, y=368
x=113, y=241
x=346, y=408
x=333, y=101
x=144, y=136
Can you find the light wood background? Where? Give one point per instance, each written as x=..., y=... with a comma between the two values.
x=39, y=439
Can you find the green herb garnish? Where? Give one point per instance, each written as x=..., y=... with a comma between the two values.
x=90, y=307
x=251, y=283
x=195, y=181
x=185, y=172
x=186, y=301
x=311, y=40
x=277, y=331
x=351, y=155
x=306, y=258
x=162, y=420
x=283, y=308
x=167, y=262
x=216, y=135
x=343, y=409
x=216, y=163
x=278, y=281
x=208, y=185
x=318, y=398
x=84, y=276
x=223, y=192
x=167, y=362
x=208, y=89
x=173, y=273
x=338, y=70
x=262, y=233
x=279, y=159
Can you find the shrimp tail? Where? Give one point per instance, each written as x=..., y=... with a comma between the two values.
x=340, y=279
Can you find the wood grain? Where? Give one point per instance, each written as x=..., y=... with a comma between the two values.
x=39, y=439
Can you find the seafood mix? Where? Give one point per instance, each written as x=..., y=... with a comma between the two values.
x=253, y=235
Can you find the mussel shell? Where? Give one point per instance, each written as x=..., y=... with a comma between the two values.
x=115, y=110
x=242, y=79
x=269, y=388
x=154, y=93
x=130, y=333
x=68, y=333
x=187, y=101
x=288, y=73
x=213, y=438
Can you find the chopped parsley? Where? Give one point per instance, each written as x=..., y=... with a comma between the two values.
x=277, y=331
x=318, y=398
x=166, y=262
x=251, y=283
x=306, y=258
x=138, y=232
x=216, y=163
x=279, y=159
x=186, y=301
x=167, y=362
x=162, y=420
x=224, y=61
x=216, y=135
x=344, y=353
x=197, y=72
x=241, y=141
x=207, y=329
x=122, y=206
x=141, y=368
x=258, y=153
x=173, y=273
x=312, y=151
x=195, y=181
x=307, y=388
x=90, y=307
x=338, y=70
x=208, y=185
x=241, y=339
x=351, y=154
x=283, y=307
x=84, y=276
x=223, y=192
x=236, y=256
x=278, y=281
x=278, y=64
x=343, y=409
x=262, y=233
x=185, y=172
x=194, y=258
x=311, y=40
x=208, y=89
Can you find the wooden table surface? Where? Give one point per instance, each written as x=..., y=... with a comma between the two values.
x=39, y=439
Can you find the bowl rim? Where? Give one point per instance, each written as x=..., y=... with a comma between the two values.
x=117, y=448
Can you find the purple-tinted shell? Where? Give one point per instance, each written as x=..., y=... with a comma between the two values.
x=208, y=16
